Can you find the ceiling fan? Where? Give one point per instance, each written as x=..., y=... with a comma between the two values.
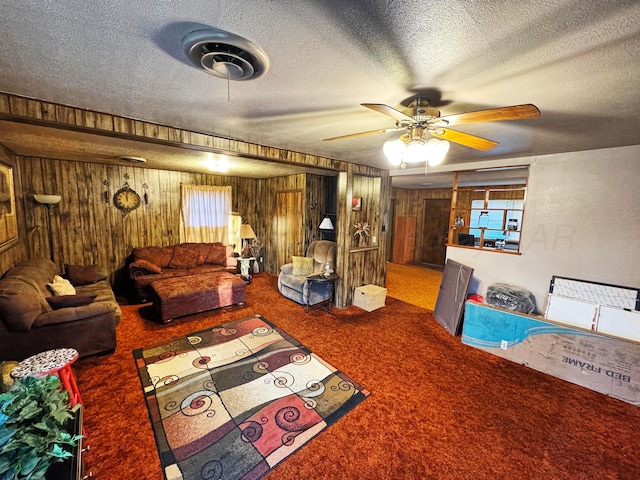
x=420, y=118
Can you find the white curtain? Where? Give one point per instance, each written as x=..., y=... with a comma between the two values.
x=204, y=213
x=235, y=221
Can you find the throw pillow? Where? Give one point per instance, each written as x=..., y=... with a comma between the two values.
x=160, y=256
x=145, y=267
x=65, y=301
x=217, y=254
x=201, y=248
x=302, y=266
x=183, y=258
x=61, y=286
x=81, y=274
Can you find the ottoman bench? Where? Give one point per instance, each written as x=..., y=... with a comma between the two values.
x=179, y=296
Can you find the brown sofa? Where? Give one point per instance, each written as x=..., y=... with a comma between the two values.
x=29, y=324
x=150, y=264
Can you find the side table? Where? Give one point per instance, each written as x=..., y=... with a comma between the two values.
x=246, y=267
x=52, y=362
x=321, y=278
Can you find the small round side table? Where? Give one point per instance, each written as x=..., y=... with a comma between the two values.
x=52, y=362
x=321, y=278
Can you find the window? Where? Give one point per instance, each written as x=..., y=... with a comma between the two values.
x=487, y=217
x=503, y=221
x=204, y=213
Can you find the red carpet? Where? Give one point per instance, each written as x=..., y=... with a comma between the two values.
x=438, y=409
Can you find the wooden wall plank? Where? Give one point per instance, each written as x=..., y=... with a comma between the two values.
x=5, y=106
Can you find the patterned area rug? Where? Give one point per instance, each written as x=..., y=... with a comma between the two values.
x=231, y=402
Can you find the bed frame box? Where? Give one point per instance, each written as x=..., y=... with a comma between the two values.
x=599, y=362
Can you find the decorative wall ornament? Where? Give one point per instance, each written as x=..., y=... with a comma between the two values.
x=126, y=199
x=105, y=195
x=362, y=230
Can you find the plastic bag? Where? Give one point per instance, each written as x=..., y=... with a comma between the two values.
x=512, y=298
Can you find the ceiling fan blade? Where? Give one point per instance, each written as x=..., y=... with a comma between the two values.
x=465, y=139
x=516, y=112
x=360, y=134
x=387, y=110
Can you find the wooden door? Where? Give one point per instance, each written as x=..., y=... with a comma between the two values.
x=434, y=231
x=289, y=222
x=404, y=236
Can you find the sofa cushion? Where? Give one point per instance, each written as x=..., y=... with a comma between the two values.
x=39, y=270
x=217, y=255
x=103, y=293
x=21, y=303
x=202, y=249
x=183, y=258
x=160, y=256
x=206, y=269
x=302, y=266
x=143, y=281
x=64, y=301
x=81, y=274
x=61, y=286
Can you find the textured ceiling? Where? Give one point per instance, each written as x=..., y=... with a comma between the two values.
x=576, y=60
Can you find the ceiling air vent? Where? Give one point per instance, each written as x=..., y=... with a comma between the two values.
x=225, y=55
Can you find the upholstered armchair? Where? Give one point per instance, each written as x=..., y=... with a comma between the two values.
x=292, y=280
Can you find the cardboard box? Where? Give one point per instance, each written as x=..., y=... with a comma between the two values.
x=369, y=297
x=605, y=364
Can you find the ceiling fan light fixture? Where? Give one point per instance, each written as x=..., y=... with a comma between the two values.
x=416, y=151
x=394, y=151
x=436, y=151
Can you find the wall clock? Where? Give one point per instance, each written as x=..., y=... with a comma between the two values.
x=126, y=199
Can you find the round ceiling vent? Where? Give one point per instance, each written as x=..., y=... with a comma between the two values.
x=225, y=55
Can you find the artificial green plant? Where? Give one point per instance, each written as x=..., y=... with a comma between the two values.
x=33, y=415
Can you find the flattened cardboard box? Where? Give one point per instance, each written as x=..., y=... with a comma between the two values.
x=604, y=364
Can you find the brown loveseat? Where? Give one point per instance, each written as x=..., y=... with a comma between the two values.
x=150, y=264
x=33, y=320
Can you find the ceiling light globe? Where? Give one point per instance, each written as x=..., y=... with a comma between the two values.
x=394, y=151
x=416, y=152
x=437, y=151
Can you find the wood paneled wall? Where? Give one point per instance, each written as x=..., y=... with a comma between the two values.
x=16, y=108
x=358, y=266
x=87, y=229
x=410, y=203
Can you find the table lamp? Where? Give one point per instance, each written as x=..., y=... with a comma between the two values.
x=246, y=234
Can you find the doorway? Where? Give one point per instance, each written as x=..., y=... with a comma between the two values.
x=435, y=227
x=289, y=226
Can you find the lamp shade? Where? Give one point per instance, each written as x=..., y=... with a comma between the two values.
x=246, y=231
x=47, y=199
x=326, y=224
